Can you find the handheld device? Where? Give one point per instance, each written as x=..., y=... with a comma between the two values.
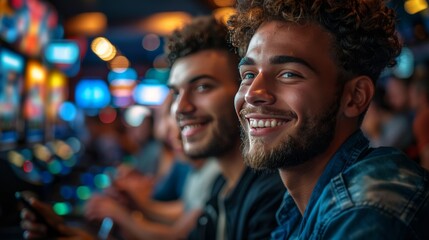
x=23, y=198
x=105, y=228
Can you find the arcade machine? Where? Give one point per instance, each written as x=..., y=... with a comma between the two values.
x=27, y=149
x=16, y=169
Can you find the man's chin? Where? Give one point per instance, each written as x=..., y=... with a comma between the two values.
x=256, y=158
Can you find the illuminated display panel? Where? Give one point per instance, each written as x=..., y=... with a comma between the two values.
x=29, y=25
x=12, y=67
x=150, y=92
x=92, y=94
x=57, y=93
x=34, y=101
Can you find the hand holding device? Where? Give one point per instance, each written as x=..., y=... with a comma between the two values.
x=38, y=212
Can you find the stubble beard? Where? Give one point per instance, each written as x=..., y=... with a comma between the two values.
x=223, y=138
x=312, y=138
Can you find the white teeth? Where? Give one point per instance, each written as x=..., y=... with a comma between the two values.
x=266, y=123
x=188, y=127
x=273, y=123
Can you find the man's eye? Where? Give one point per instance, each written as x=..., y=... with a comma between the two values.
x=174, y=93
x=246, y=76
x=201, y=88
x=290, y=75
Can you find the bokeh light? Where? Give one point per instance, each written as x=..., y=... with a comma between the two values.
x=83, y=192
x=135, y=115
x=151, y=42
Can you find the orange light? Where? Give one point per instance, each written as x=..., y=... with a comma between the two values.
x=36, y=74
x=223, y=14
x=89, y=24
x=165, y=23
x=415, y=6
x=224, y=3
x=119, y=62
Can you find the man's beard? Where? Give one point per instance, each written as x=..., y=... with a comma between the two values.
x=312, y=138
x=223, y=139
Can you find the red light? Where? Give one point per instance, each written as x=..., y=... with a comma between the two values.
x=27, y=166
x=107, y=115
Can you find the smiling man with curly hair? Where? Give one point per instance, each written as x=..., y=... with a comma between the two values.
x=308, y=72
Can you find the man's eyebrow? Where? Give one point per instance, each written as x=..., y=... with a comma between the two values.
x=246, y=61
x=192, y=80
x=289, y=59
x=281, y=59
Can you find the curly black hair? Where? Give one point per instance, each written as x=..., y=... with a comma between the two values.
x=364, y=31
x=204, y=32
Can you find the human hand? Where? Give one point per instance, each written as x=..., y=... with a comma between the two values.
x=35, y=229
x=137, y=187
x=99, y=207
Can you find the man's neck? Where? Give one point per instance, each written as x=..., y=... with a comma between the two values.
x=232, y=166
x=300, y=180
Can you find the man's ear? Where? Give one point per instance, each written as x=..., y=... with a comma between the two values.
x=357, y=96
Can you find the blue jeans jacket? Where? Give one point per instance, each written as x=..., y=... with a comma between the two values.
x=363, y=193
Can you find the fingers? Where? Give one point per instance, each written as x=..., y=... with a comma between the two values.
x=46, y=211
x=32, y=228
x=33, y=235
x=27, y=215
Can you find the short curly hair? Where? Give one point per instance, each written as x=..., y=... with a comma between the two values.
x=204, y=32
x=365, y=38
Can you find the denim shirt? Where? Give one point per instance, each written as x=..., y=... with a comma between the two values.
x=363, y=193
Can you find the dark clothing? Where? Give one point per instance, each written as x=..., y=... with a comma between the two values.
x=250, y=208
x=170, y=187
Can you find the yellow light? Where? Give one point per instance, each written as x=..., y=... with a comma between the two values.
x=415, y=6
x=15, y=158
x=36, y=73
x=223, y=14
x=103, y=48
x=165, y=23
x=42, y=152
x=63, y=150
x=56, y=79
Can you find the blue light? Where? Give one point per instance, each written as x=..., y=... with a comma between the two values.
x=150, y=93
x=160, y=74
x=92, y=94
x=67, y=192
x=47, y=177
x=62, y=52
x=11, y=61
x=87, y=179
x=405, y=64
x=67, y=111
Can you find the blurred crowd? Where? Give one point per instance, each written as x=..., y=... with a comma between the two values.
x=399, y=115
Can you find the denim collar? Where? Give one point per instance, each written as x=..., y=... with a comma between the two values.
x=345, y=156
x=288, y=216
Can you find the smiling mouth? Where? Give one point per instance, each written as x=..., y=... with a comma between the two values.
x=265, y=123
x=191, y=126
x=192, y=129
